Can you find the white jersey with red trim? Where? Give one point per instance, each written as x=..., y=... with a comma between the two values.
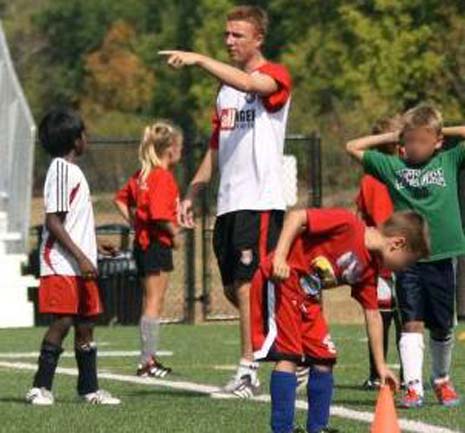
x=249, y=133
x=66, y=191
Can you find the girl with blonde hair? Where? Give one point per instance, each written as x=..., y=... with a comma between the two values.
x=149, y=202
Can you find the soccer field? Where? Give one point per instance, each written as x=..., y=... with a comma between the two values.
x=200, y=355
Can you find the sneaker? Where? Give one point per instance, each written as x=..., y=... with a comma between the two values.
x=245, y=388
x=153, y=368
x=302, y=377
x=101, y=397
x=40, y=397
x=445, y=392
x=411, y=399
x=245, y=383
x=371, y=384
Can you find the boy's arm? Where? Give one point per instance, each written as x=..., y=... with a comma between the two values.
x=294, y=224
x=374, y=325
x=201, y=179
x=357, y=147
x=54, y=224
x=262, y=84
x=454, y=131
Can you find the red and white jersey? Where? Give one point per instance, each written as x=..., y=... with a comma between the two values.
x=66, y=191
x=249, y=133
x=332, y=252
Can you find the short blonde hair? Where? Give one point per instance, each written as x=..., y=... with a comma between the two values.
x=423, y=116
x=252, y=14
x=413, y=227
x=156, y=140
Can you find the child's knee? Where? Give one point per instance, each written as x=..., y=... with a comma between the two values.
x=414, y=326
x=286, y=366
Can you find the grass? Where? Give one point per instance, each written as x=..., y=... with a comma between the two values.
x=202, y=354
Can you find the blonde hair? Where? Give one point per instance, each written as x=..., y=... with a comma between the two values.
x=413, y=227
x=156, y=140
x=252, y=14
x=423, y=115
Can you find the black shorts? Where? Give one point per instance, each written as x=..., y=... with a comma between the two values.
x=426, y=293
x=156, y=258
x=241, y=239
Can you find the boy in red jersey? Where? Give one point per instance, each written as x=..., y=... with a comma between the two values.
x=374, y=206
x=317, y=250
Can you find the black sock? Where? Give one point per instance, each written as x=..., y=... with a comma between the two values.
x=86, y=358
x=48, y=361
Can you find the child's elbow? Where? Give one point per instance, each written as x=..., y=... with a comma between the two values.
x=351, y=147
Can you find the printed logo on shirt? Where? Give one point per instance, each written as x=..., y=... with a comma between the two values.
x=351, y=267
x=231, y=118
x=322, y=276
x=414, y=178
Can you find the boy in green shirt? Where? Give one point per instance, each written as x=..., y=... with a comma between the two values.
x=425, y=179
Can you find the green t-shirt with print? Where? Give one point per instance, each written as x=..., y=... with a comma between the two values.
x=430, y=189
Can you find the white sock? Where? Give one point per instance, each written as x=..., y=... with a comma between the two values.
x=411, y=347
x=441, y=357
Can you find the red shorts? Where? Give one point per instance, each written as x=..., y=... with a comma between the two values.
x=287, y=324
x=61, y=294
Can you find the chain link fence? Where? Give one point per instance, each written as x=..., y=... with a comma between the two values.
x=195, y=292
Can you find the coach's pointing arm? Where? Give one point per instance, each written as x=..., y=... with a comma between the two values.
x=259, y=83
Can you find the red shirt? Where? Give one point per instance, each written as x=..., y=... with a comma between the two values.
x=332, y=252
x=373, y=201
x=375, y=206
x=155, y=199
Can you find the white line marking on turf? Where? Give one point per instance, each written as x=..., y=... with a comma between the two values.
x=215, y=392
x=68, y=354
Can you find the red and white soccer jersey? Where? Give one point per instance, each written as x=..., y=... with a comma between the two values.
x=249, y=133
x=66, y=191
x=287, y=318
x=155, y=199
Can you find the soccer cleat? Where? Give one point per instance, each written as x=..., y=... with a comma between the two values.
x=445, y=392
x=371, y=384
x=40, y=397
x=101, y=397
x=245, y=388
x=153, y=368
x=411, y=399
x=245, y=383
x=302, y=377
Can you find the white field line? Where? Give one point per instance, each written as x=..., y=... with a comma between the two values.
x=215, y=392
x=68, y=354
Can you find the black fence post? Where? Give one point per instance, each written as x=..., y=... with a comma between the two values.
x=189, y=242
x=207, y=236
x=315, y=180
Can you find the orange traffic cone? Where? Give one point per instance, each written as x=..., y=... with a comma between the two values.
x=385, y=420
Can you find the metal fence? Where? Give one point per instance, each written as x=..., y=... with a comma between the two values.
x=17, y=133
x=195, y=292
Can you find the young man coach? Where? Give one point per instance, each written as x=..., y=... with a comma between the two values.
x=246, y=146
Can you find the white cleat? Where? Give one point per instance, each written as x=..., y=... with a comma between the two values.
x=101, y=397
x=245, y=383
x=40, y=397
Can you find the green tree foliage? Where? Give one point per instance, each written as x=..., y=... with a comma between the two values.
x=352, y=61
